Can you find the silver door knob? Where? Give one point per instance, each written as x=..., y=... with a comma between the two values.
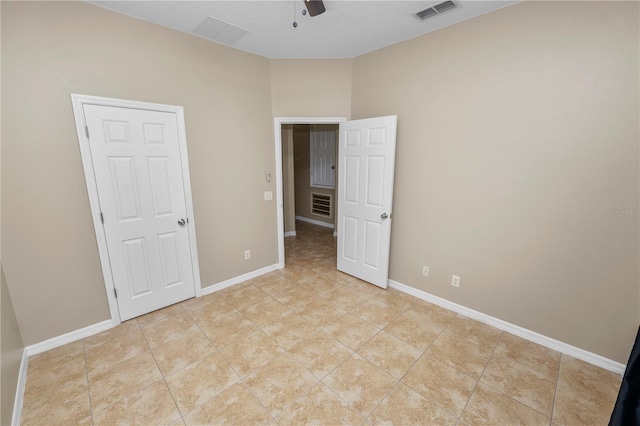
x=181, y=222
x=384, y=216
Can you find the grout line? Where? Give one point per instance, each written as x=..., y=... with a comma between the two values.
x=86, y=371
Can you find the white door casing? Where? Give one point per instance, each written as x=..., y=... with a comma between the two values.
x=141, y=189
x=366, y=161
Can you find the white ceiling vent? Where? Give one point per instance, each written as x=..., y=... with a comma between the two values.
x=436, y=10
x=217, y=30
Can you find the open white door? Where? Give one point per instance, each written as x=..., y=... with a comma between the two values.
x=366, y=167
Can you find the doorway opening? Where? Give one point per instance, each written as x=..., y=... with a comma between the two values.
x=290, y=131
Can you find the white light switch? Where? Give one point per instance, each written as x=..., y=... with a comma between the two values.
x=268, y=195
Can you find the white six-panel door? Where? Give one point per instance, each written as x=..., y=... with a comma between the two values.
x=366, y=163
x=138, y=173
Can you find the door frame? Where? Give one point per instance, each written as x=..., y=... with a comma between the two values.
x=277, y=123
x=78, y=102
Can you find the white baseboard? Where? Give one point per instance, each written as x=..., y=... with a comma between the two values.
x=68, y=337
x=532, y=336
x=237, y=280
x=290, y=234
x=22, y=381
x=315, y=222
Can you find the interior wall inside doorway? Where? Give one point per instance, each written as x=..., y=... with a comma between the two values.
x=302, y=177
x=288, y=185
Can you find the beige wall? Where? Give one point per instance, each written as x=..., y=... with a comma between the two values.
x=302, y=165
x=311, y=87
x=288, y=179
x=52, y=49
x=11, y=348
x=517, y=131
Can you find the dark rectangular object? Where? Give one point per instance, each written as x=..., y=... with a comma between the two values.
x=315, y=7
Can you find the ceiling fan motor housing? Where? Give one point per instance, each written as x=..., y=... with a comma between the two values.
x=315, y=7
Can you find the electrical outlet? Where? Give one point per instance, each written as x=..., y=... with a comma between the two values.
x=425, y=271
x=247, y=254
x=268, y=195
x=455, y=280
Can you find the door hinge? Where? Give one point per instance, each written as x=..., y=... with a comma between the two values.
x=115, y=292
x=101, y=218
x=86, y=130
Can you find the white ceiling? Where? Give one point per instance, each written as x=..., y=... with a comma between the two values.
x=347, y=29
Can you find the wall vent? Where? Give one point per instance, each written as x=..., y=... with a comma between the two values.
x=321, y=204
x=220, y=31
x=436, y=10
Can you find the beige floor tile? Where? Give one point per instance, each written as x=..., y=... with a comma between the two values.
x=115, y=350
x=361, y=384
x=297, y=274
x=228, y=329
x=351, y=330
x=66, y=404
x=390, y=354
x=345, y=298
x=586, y=394
x=527, y=386
x=321, y=285
x=440, y=383
x=266, y=312
x=201, y=381
x=395, y=299
x=490, y=407
x=320, y=312
x=234, y=406
x=573, y=408
x=431, y=314
x=246, y=297
x=250, y=353
x=181, y=352
x=274, y=283
x=404, y=406
x=152, y=405
x=213, y=310
x=55, y=368
x=359, y=286
x=119, y=330
x=376, y=312
x=122, y=380
x=579, y=376
x=414, y=331
x=279, y=383
x=320, y=353
x=198, y=303
x=171, y=328
x=160, y=314
x=296, y=298
x=531, y=355
x=320, y=405
x=477, y=332
x=289, y=330
x=323, y=268
x=464, y=355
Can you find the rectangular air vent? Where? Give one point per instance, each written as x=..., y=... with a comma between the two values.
x=435, y=10
x=321, y=204
x=220, y=31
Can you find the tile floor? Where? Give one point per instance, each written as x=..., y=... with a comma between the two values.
x=310, y=345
